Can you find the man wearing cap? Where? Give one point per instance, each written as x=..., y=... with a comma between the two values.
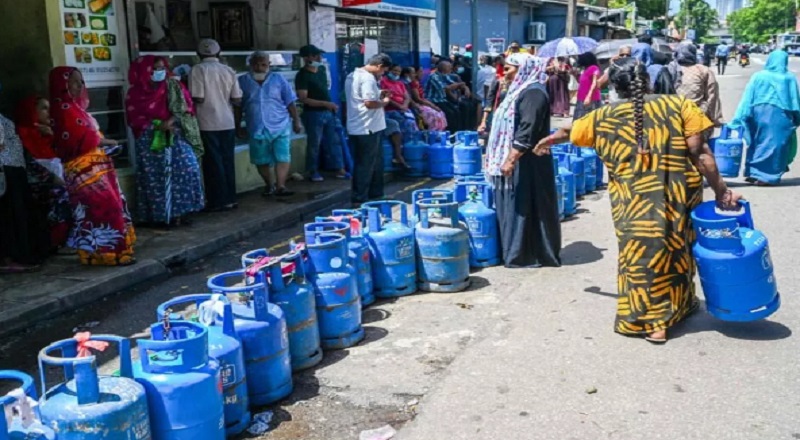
x=268, y=107
x=214, y=88
x=319, y=115
x=365, y=124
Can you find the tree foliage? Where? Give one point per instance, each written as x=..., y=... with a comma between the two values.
x=763, y=18
x=701, y=17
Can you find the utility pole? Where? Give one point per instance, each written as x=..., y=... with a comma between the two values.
x=572, y=10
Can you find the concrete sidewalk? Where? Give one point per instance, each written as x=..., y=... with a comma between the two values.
x=64, y=284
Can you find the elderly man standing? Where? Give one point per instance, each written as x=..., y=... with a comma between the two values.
x=271, y=116
x=319, y=115
x=214, y=88
x=365, y=125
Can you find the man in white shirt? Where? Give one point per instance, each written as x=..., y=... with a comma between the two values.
x=486, y=75
x=214, y=89
x=365, y=125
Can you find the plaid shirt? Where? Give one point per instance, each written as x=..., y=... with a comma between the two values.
x=434, y=89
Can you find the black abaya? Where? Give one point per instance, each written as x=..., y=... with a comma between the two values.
x=526, y=202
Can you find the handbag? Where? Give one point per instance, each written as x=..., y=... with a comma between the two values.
x=2, y=181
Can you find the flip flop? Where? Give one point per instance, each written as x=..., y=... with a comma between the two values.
x=656, y=341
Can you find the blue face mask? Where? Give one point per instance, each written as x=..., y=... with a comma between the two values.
x=392, y=76
x=316, y=64
x=159, y=75
x=460, y=70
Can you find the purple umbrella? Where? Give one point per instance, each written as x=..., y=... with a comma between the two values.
x=564, y=47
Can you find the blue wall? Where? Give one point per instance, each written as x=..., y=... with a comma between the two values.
x=518, y=20
x=555, y=16
x=492, y=22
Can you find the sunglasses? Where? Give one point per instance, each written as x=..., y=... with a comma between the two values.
x=624, y=55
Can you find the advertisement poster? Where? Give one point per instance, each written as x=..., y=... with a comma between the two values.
x=91, y=38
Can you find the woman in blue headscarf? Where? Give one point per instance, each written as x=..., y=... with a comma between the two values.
x=768, y=116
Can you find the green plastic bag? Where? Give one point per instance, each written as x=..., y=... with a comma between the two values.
x=160, y=140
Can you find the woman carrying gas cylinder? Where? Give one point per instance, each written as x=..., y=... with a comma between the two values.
x=524, y=184
x=768, y=117
x=654, y=149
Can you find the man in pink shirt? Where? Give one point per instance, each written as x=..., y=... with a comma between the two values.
x=214, y=90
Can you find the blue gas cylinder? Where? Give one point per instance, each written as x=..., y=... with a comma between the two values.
x=480, y=177
x=570, y=201
x=338, y=304
x=560, y=188
x=477, y=212
x=415, y=152
x=734, y=264
x=440, y=155
x=589, y=156
x=261, y=325
x=601, y=167
x=728, y=148
x=216, y=314
x=290, y=289
x=466, y=154
x=391, y=245
x=87, y=406
x=20, y=404
x=442, y=247
x=388, y=154
x=577, y=167
x=428, y=193
x=183, y=384
x=360, y=259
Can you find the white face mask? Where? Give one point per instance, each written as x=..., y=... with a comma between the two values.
x=159, y=75
x=260, y=76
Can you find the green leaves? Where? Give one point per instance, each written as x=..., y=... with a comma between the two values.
x=701, y=17
x=757, y=23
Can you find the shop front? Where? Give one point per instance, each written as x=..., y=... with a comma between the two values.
x=101, y=37
x=351, y=31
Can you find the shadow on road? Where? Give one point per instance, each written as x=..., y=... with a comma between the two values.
x=763, y=330
x=791, y=181
x=581, y=252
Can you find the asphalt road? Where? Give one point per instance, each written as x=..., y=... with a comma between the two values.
x=523, y=354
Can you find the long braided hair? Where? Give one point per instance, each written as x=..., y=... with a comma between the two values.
x=631, y=81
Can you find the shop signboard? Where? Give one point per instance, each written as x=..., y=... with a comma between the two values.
x=418, y=8
x=351, y=3
x=92, y=40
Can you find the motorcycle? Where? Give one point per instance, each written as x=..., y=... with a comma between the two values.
x=744, y=61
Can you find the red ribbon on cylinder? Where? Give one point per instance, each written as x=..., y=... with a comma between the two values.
x=85, y=344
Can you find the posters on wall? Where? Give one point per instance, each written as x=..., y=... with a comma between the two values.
x=91, y=39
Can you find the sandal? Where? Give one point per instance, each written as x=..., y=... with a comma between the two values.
x=283, y=192
x=657, y=341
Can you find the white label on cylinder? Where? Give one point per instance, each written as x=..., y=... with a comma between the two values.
x=336, y=262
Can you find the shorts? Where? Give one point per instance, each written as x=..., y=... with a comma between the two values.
x=269, y=149
x=392, y=127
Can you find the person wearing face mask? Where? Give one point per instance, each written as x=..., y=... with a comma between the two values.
x=365, y=125
x=320, y=116
x=160, y=112
x=102, y=231
x=433, y=117
x=271, y=116
x=214, y=90
x=399, y=108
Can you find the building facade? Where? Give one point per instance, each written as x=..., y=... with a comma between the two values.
x=728, y=7
x=529, y=22
x=101, y=37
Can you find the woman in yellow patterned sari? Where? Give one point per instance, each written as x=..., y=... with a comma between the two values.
x=654, y=150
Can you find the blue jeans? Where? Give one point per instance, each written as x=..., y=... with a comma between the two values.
x=323, y=125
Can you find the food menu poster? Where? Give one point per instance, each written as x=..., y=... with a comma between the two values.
x=91, y=39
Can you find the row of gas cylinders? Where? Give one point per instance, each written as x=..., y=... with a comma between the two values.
x=198, y=375
x=578, y=171
x=431, y=154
